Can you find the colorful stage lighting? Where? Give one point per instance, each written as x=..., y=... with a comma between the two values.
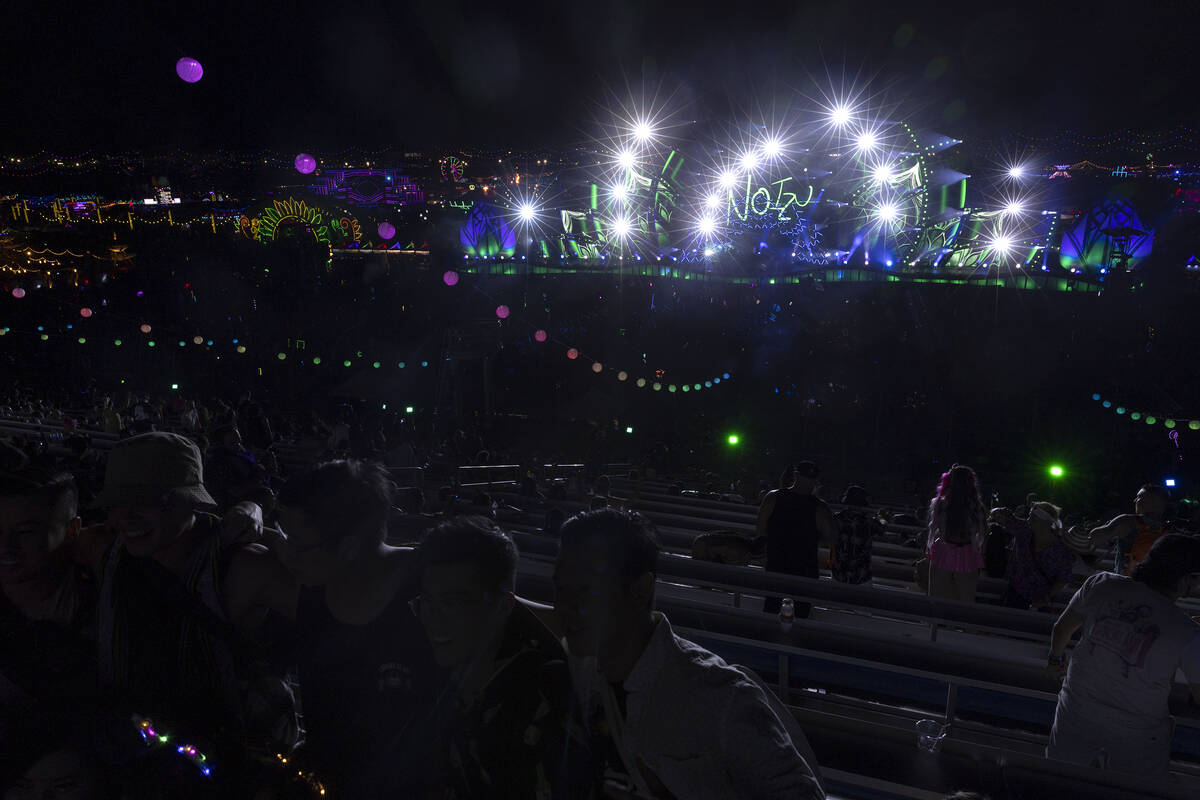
x=887, y=212
x=1002, y=244
x=1056, y=471
x=733, y=440
x=527, y=212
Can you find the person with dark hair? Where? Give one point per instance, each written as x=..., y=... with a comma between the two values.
x=795, y=522
x=957, y=527
x=682, y=722
x=504, y=720
x=857, y=530
x=1135, y=533
x=1112, y=709
x=1040, y=563
x=366, y=671
x=231, y=471
x=47, y=602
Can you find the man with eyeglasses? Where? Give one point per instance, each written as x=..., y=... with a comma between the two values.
x=503, y=725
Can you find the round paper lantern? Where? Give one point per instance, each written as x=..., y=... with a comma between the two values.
x=597, y=367
x=85, y=312
x=502, y=312
x=539, y=335
x=386, y=230
x=18, y=292
x=641, y=382
x=197, y=340
x=241, y=348
x=622, y=375
x=305, y=164
x=145, y=328
x=450, y=277
x=1194, y=424
x=572, y=354
x=189, y=69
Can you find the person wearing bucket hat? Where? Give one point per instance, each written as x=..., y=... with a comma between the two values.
x=1041, y=562
x=164, y=643
x=1113, y=706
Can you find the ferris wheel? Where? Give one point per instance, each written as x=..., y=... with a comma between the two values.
x=452, y=168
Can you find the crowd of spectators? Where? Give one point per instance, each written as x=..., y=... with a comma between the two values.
x=218, y=599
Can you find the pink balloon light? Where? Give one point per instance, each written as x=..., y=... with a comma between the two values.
x=539, y=335
x=386, y=230
x=85, y=312
x=18, y=292
x=145, y=328
x=502, y=312
x=450, y=277
x=305, y=164
x=189, y=69
x=597, y=367
x=572, y=354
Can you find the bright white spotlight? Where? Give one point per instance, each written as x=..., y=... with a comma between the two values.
x=626, y=159
x=840, y=115
x=621, y=227
x=1016, y=173
x=643, y=131
x=1013, y=208
x=620, y=193
x=1002, y=244
x=883, y=173
x=713, y=201
x=867, y=141
x=527, y=212
x=728, y=179
x=749, y=160
x=772, y=147
x=887, y=212
x=706, y=226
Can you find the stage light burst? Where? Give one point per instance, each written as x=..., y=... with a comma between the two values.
x=620, y=193
x=840, y=115
x=626, y=159
x=749, y=160
x=621, y=227
x=527, y=212
x=643, y=131
x=772, y=148
x=706, y=226
x=1016, y=172
x=887, y=213
x=713, y=201
x=866, y=141
x=883, y=173
x=728, y=179
x=1014, y=207
x=1003, y=244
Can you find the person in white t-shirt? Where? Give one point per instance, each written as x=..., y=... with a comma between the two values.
x=1113, y=706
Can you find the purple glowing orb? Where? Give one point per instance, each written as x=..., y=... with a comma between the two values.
x=305, y=164
x=18, y=292
x=502, y=312
x=189, y=69
x=450, y=277
x=539, y=335
x=386, y=230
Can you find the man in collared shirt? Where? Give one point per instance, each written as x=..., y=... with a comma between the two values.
x=683, y=723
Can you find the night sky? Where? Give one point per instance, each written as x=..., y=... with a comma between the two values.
x=449, y=72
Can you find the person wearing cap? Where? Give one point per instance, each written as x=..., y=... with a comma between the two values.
x=1113, y=706
x=857, y=529
x=1041, y=563
x=796, y=522
x=164, y=637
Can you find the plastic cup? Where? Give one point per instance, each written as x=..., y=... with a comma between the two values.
x=930, y=733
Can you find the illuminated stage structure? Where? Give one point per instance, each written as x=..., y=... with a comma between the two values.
x=297, y=218
x=839, y=200
x=368, y=187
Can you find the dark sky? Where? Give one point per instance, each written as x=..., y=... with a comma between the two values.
x=447, y=72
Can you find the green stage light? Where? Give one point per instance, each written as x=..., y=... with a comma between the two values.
x=734, y=440
x=409, y=409
x=1056, y=471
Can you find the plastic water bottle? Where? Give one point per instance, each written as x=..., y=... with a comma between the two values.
x=787, y=613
